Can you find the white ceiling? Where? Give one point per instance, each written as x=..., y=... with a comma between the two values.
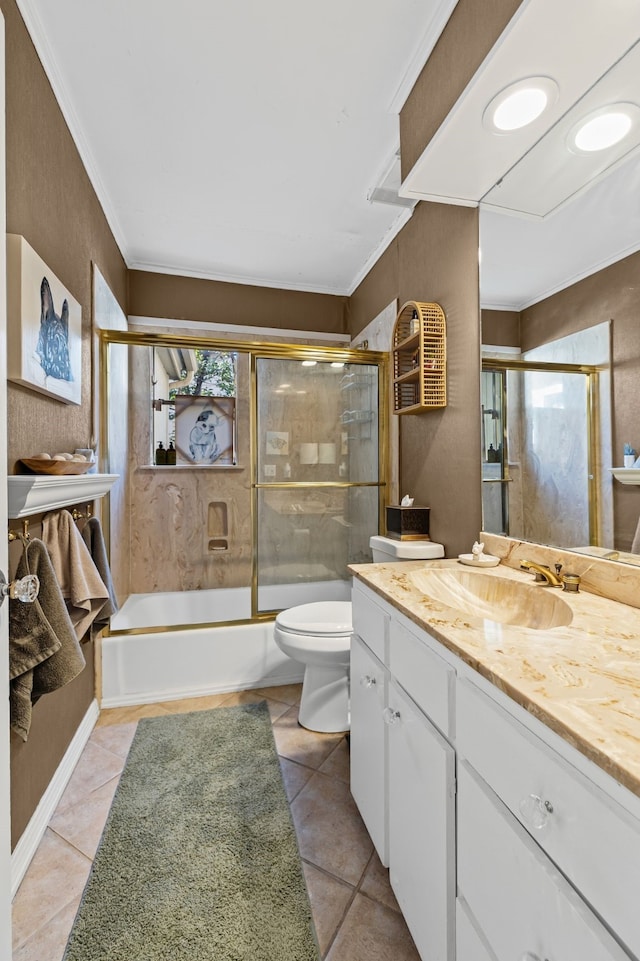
x=239, y=141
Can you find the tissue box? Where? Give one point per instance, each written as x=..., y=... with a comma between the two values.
x=408, y=523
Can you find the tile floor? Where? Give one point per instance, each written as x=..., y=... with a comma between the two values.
x=354, y=910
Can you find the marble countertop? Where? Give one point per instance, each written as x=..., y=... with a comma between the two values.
x=581, y=680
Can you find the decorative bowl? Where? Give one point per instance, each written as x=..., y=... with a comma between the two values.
x=38, y=465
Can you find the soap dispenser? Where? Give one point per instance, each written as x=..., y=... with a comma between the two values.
x=171, y=454
x=161, y=455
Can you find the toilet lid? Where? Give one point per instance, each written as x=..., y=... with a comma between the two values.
x=321, y=617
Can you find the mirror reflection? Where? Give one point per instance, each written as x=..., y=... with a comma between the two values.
x=548, y=285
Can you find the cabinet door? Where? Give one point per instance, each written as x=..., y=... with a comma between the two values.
x=470, y=945
x=522, y=903
x=421, y=826
x=368, y=743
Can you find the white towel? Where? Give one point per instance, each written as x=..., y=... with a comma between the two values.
x=82, y=587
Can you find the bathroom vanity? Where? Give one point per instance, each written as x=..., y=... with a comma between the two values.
x=496, y=766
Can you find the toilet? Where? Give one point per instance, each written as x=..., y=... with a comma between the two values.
x=319, y=636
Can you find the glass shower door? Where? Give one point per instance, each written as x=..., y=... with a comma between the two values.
x=317, y=486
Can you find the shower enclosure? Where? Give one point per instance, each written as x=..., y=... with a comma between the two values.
x=540, y=470
x=277, y=485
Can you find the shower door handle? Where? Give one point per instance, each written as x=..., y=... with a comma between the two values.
x=25, y=589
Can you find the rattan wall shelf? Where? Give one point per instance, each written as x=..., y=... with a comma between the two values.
x=419, y=348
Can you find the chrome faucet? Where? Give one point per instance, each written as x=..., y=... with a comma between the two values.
x=544, y=573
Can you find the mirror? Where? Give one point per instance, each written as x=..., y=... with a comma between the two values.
x=554, y=264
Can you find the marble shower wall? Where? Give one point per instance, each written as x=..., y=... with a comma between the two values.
x=182, y=517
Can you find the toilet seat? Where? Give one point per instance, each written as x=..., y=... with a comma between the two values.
x=323, y=618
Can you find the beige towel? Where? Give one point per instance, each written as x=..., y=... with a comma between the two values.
x=81, y=585
x=93, y=538
x=44, y=653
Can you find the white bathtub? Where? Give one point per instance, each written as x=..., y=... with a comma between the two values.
x=162, y=665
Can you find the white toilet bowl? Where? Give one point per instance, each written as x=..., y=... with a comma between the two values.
x=319, y=636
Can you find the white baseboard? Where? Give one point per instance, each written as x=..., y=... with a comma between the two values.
x=170, y=694
x=34, y=831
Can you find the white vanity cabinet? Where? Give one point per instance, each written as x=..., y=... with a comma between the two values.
x=504, y=843
x=421, y=825
x=403, y=767
x=369, y=774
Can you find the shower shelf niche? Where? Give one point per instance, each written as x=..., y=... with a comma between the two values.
x=36, y=493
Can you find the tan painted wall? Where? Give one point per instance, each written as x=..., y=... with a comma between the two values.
x=188, y=298
x=50, y=202
x=435, y=258
x=611, y=294
x=466, y=40
x=501, y=328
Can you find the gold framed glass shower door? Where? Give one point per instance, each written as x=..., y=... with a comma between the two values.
x=318, y=476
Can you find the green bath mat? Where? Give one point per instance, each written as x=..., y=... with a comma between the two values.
x=199, y=859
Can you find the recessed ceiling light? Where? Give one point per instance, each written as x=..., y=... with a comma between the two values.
x=603, y=128
x=520, y=104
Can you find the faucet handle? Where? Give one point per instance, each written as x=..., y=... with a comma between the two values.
x=558, y=567
x=571, y=582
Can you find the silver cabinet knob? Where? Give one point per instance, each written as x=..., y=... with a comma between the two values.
x=25, y=589
x=367, y=681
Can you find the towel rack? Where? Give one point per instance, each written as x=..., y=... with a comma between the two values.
x=78, y=515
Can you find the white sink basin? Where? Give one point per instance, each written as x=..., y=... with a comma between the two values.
x=475, y=594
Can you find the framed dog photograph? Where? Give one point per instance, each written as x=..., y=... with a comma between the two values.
x=205, y=430
x=44, y=329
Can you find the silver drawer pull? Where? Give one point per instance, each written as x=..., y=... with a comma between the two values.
x=390, y=716
x=535, y=810
x=367, y=681
x=25, y=589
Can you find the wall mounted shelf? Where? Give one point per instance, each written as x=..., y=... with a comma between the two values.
x=626, y=475
x=35, y=493
x=419, y=348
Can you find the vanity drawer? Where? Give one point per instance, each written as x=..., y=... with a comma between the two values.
x=521, y=902
x=594, y=841
x=370, y=621
x=425, y=676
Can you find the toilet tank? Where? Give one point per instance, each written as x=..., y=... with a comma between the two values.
x=387, y=550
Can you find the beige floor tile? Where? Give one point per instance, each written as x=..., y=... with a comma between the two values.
x=298, y=744
x=372, y=932
x=338, y=762
x=95, y=767
x=294, y=776
x=330, y=831
x=188, y=704
x=329, y=900
x=55, y=877
x=276, y=708
x=287, y=693
x=82, y=824
x=116, y=738
x=124, y=715
x=376, y=885
x=49, y=942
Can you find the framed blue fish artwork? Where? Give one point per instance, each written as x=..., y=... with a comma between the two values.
x=44, y=326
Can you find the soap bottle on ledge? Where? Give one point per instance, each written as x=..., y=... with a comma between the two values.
x=161, y=455
x=171, y=454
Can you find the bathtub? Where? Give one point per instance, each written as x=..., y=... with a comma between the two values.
x=163, y=661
